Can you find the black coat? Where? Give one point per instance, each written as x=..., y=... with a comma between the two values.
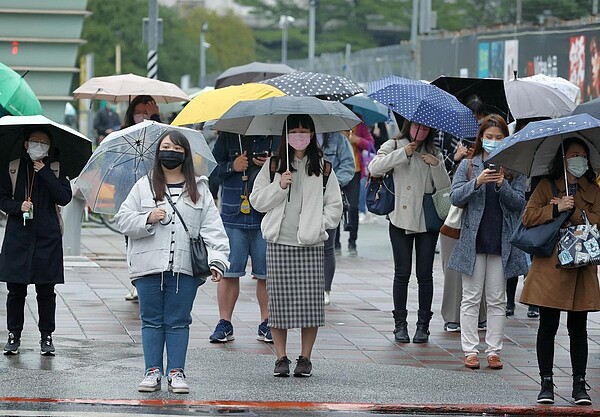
x=33, y=254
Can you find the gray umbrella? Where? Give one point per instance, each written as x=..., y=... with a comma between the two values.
x=251, y=73
x=527, y=99
x=267, y=116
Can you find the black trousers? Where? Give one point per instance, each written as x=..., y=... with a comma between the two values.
x=352, y=191
x=577, y=328
x=402, y=249
x=15, y=307
x=329, y=258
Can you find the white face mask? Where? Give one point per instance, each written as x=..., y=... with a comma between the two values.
x=37, y=151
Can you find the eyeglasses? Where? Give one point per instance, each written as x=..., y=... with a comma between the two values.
x=35, y=140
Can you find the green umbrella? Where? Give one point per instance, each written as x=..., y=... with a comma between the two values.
x=16, y=97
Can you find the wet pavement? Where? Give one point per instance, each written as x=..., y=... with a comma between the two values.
x=357, y=366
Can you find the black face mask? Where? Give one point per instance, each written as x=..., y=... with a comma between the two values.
x=171, y=159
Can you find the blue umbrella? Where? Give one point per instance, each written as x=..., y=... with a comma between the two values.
x=425, y=103
x=372, y=112
x=531, y=150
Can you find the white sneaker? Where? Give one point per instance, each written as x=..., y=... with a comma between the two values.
x=327, y=298
x=151, y=381
x=362, y=217
x=177, y=384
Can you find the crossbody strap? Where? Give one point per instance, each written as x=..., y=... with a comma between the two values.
x=168, y=197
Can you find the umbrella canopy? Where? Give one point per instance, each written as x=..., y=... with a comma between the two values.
x=16, y=97
x=370, y=110
x=558, y=83
x=125, y=156
x=591, y=107
x=124, y=87
x=424, y=103
x=489, y=90
x=531, y=150
x=75, y=149
x=211, y=105
x=249, y=73
x=267, y=117
x=528, y=99
x=323, y=86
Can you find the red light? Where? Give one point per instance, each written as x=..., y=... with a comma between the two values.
x=15, y=48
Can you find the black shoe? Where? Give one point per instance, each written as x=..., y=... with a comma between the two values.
x=510, y=310
x=580, y=388
x=303, y=367
x=533, y=312
x=352, y=249
x=282, y=367
x=12, y=346
x=546, y=395
x=46, y=346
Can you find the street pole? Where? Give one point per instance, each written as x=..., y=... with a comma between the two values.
x=118, y=58
x=519, y=12
x=311, y=34
x=203, y=30
x=414, y=24
x=347, y=72
x=595, y=7
x=283, y=39
x=152, y=62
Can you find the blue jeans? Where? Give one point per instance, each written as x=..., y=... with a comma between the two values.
x=362, y=197
x=166, y=315
x=244, y=243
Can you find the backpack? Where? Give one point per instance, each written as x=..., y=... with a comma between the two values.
x=13, y=171
x=326, y=171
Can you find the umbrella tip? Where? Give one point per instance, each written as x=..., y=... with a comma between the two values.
x=515, y=72
x=26, y=72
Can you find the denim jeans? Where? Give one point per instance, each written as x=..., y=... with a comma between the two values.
x=244, y=243
x=362, y=198
x=166, y=302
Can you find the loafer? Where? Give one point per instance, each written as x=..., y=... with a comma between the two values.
x=494, y=362
x=472, y=362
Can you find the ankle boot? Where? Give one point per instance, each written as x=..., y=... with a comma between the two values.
x=401, y=326
x=580, y=388
x=422, y=333
x=546, y=395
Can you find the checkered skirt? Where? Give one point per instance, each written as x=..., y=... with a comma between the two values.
x=295, y=285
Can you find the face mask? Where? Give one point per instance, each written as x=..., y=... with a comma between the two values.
x=299, y=141
x=171, y=159
x=37, y=151
x=140, y=117
x=577, y=166
x=490, y=145
x=419, y=133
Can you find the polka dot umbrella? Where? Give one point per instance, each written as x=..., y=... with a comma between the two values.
x=425, y=103
x=323, y=86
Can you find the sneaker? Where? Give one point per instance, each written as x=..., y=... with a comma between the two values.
x=177, y=384
x=451, y=326
x=494, y=361
x=327, y=298
x=533, y=312
x=223, y=332
x=352, y=249
x=580, y=388
x=482, y=325
x=46, y=346
x=264, y=332
x=132, y=295
x=151, y=381
x=546, y=395
x=303, y=367
x=12, y=346
x=472, y=362
x=282, y=367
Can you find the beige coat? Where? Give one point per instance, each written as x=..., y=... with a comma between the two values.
x=546, y=285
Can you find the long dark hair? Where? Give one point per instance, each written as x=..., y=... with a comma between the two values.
x=128, y=119
x=492, y=120
x=158, y=176
x=427, y=144
x=557, y=169
x=313, y=151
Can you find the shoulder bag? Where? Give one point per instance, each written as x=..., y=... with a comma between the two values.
x=453, y=221
x=579, y=245
x=381, y=193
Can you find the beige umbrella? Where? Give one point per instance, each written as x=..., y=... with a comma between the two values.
x=125, y=87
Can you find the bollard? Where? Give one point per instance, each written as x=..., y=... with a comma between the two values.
x=72, y=215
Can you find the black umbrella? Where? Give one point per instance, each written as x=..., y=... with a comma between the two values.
x=323, y=86
x=592, y=108
x=250, y=73
x=489, y=90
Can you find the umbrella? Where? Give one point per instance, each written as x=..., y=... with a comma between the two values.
x=489, y=90
x=75, y=149
x=558, y=83
x=266, y=117
x=124, y=87
x=371, y=111
x=528, y=99
x=424, y=103
x=211, y=105
x=249, y=73
x=125, y=156
x=531, y=150
x=16, y=97
x=591, y=107
x=323, y=86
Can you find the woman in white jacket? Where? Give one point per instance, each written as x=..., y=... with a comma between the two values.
x=159, y=255
x=301, y=202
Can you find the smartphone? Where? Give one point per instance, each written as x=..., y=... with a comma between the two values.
x=261, y=154
x=494, y=167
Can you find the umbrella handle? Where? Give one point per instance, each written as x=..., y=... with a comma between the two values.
x=562, y=147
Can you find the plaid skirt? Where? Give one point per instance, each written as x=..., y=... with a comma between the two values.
x=295, y=286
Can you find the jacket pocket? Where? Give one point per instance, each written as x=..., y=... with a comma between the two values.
x=147, y=203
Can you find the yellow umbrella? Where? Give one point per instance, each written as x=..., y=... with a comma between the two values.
x=211, y=105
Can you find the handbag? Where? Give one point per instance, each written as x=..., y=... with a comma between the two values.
x=441, y=201
x=579, y=245
x=452, y=223
x=380, y=194
x=433, y=223
x=200, y=267
x=347, y=225
x=539, y=240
